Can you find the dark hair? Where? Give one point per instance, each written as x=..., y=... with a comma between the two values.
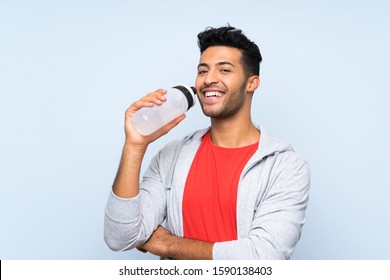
x=231, y=37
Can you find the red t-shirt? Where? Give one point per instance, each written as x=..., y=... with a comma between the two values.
x=210, y=194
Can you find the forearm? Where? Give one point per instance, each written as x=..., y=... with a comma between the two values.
x=126, y=183
x=164, y=244
x=180, y=248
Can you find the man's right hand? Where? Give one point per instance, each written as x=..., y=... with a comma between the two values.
x=133, y=138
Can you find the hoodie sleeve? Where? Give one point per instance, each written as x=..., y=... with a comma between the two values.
x=129, y=223
x=278, y=217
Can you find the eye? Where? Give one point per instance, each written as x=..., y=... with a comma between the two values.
x=200, y=72
x=225, y=70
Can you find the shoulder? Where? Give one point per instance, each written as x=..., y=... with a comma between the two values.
x=291, y=162
x=287, y=163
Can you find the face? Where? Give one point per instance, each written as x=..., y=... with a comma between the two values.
x=221, y=82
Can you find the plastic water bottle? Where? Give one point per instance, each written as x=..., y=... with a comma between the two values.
x=179, y=100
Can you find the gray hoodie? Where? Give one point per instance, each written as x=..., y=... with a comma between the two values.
x=272, y=197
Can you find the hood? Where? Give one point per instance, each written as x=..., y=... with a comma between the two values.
x=270, y=145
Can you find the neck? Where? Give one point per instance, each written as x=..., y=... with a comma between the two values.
x=234, y=133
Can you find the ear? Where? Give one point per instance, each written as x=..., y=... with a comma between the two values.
x=252, y=84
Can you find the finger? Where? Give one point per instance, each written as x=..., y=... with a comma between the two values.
x=154, y=98
x=142, y=250
x=160, y=94
x=142, y=103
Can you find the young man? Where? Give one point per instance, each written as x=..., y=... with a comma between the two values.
x=230, y=191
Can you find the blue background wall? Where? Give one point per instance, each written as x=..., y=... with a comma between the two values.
x=69, y=69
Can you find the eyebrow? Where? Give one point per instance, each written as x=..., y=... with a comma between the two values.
x=217, y=64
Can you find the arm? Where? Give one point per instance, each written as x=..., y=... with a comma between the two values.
x=279, y=214
x=126, y=184
x=125, y=226
x=164, y=244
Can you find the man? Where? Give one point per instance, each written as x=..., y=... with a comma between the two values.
x=227, y=192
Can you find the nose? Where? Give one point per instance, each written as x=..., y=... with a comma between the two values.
x=211, y=78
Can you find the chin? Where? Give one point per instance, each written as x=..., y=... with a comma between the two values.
x=211, y=114
x=217, y=115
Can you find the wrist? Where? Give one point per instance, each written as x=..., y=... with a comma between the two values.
x=135, y=148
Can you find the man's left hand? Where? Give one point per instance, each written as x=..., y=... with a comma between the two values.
x=158, y=243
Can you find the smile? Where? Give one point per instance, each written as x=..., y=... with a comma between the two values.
x=213, y=94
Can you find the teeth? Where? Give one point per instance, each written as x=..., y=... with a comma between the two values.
x=213, y=94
